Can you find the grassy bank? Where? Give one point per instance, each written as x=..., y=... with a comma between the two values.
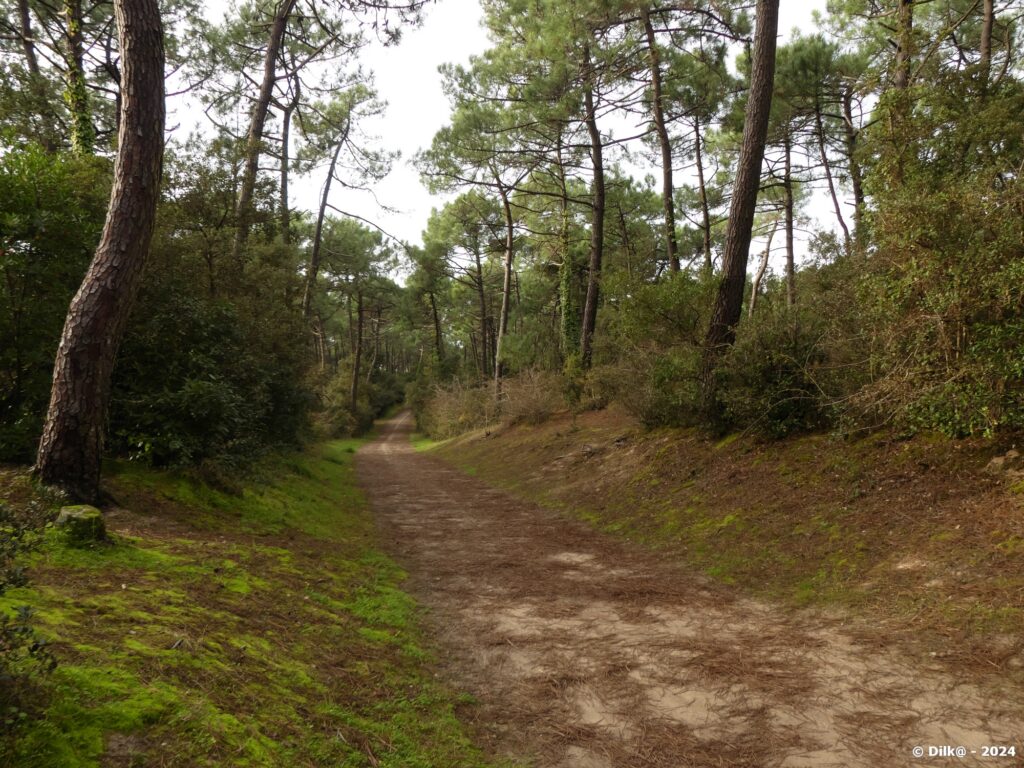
x=259, y=626
x=914, y=533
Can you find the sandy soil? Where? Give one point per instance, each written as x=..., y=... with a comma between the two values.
x=586, y=652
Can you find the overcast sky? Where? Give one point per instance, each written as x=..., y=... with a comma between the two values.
x=407, y=78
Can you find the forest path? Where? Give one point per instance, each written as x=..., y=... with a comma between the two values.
x=584, y=651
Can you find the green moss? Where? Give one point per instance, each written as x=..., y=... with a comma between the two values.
x=211, y=642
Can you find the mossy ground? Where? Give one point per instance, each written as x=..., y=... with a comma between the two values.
x=912, y=532
x=256, y=627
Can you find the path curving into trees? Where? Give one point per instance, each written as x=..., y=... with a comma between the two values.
x=584, y=651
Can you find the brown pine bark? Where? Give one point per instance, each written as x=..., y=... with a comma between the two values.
x=72, y=442
x=257, y=122
x=597, y=219
x=658, y=112
x=729, y=300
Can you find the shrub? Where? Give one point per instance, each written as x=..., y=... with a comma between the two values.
x=532, y=396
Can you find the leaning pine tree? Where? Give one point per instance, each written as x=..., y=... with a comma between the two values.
x=72, y=442
x=729, y=299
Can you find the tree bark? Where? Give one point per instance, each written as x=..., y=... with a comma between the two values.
x=257, y=122
x=987, y=22
x=787, y=189
x=597, y=219
x=658, y=111
x=506, y=289
x=820, y=126
x=72, y=443
x=704, y=210
x=438, y=336
x=27, y=39
x=286, y=125
x=728, y=304
x=482, y=300
x=853, y=162
x=761, y=269
x=904, y=44
x=357, y=358
x=76, y=92
x=314, y=256
x=569, y=325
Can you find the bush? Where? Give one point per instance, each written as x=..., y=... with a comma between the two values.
x=768, y=379
x=458, y=408
x=532, y=396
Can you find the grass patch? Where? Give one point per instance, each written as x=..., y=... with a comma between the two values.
x=249, y=626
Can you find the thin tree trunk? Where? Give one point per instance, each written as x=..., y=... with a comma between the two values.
x=569, y=326
x=314, y=256
x=787, y=188
x=482, y=299
x=704, y=210
x=438, y=336
x=597, y=220
x=72, y=443
x=904, y=44
x=761, y=269
x=357, y=357
x=506, y=289
x=76, y=93
x=987, y=22
x=828, y=177
x=729, y=300
x=852, y=152
x=658, y=111
x=257, y=122
x=27, y=39
x=286, y=124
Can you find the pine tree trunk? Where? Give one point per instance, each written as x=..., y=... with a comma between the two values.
x=482, y=301
x=820, y=127
x=357, y=358
x=286, y=124
x=257, y=122
x=729, y=300
x=314, y=257
x=597, y=220
x=76, y=93
x=506, y=290
x=853, y=165
x=438, y=336
x=987, y=22
x=72, y=443
x=761, y=269
x=658, y=111
x=704, y=210
x=787, y=188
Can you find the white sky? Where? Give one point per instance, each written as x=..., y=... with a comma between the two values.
x=407, y=78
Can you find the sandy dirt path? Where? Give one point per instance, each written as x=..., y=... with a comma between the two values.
x=584, y=651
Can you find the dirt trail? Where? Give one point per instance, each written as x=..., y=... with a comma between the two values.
x=586, y=652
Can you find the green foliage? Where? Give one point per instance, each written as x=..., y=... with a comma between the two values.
x=943, y=293
x=768, y=380
x=51, y=213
